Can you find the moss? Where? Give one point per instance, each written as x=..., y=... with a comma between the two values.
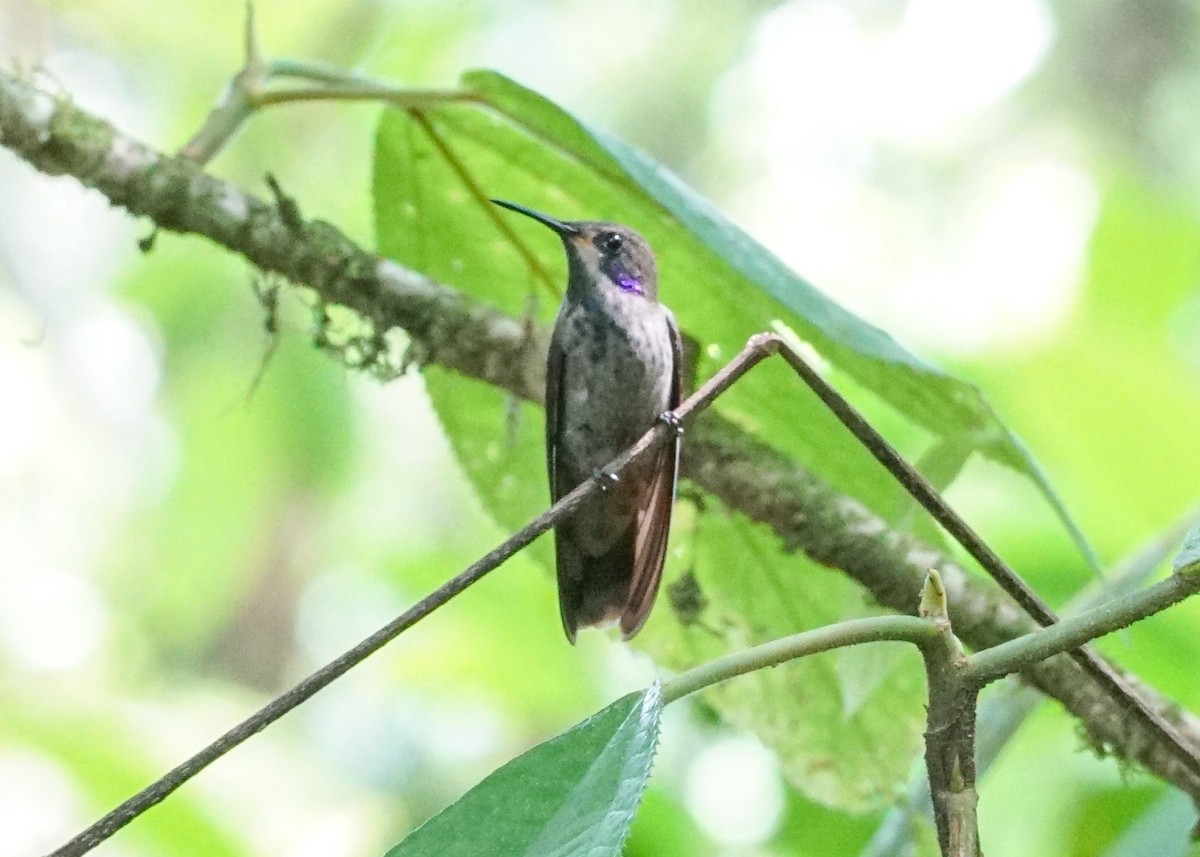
x=79, y=143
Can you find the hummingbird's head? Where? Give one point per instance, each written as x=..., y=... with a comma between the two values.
x=601, y=255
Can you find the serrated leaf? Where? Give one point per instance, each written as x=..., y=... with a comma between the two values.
x=576, y=794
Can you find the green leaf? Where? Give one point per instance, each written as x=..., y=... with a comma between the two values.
x=574, y=794
x=499, y=443
x=735, y=268
x=434, y=174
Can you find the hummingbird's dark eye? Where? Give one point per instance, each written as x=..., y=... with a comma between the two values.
x=609, y=242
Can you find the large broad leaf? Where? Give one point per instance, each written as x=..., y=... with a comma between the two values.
x=573, y=795
x=522, y=146
x=434, y=171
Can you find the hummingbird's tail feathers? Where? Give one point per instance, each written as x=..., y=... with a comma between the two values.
x=593, y=590
x=621, y=583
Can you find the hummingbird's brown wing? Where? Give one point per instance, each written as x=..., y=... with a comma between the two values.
x=554, y=379
x=653, y=519
x=568, y=560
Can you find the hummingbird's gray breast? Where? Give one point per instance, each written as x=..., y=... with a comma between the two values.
x=618, y=369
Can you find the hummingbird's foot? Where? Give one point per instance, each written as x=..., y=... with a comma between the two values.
x=606, y=479
x=672, y=421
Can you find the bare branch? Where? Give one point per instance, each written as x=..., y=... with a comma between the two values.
x=252, y=89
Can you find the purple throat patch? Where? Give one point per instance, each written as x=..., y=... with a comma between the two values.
x=630, y=283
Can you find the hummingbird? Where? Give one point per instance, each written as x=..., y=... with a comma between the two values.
x=614, y=369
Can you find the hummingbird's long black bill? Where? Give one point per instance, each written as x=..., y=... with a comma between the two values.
x=546, y=220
